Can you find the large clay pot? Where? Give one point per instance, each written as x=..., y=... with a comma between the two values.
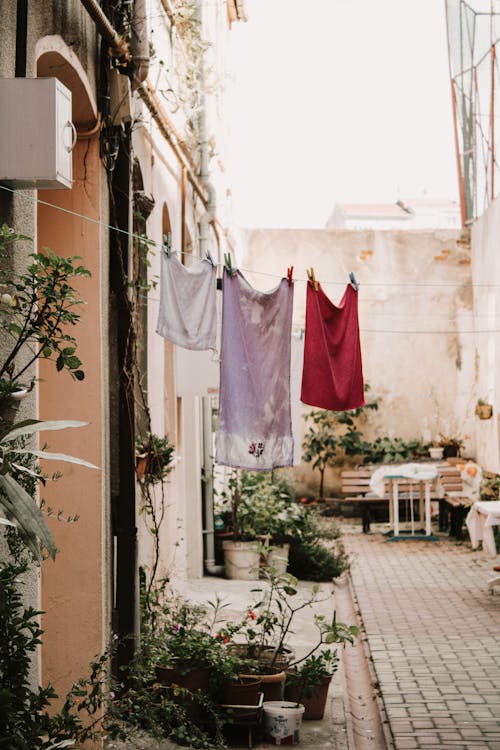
x=272, y=684
x=242, y=692
x=196, y=679
x=314, y=705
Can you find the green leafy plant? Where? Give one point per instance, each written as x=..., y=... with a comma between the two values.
x=37, y=309
x=312, y=561
x=308, y=675
x=20, y=508
x=333, y=435
x=490, y=488
x=268, y=622
x=391, y=450
x=158, y=454
x=28, y=717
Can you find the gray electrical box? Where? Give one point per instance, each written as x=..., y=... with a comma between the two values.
x=37, y=135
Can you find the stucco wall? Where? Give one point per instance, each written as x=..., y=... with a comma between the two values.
x=486, y=285
x=415, y=313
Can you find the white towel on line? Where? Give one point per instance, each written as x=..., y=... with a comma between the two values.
x=187, y=315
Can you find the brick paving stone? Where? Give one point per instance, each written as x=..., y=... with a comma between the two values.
x=432, y=631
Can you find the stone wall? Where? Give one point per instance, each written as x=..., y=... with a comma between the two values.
x=415, y=313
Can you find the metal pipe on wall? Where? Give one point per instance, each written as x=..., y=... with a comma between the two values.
x=105, y=28
x=208, y=492
x=139, y=45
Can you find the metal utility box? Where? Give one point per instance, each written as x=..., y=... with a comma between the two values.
x=37, y=135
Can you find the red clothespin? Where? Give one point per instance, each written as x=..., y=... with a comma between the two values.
x=312, y=278
x=289, y=273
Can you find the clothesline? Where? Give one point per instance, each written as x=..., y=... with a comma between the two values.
x=323, y=282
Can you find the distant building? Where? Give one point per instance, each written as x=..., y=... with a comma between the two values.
x=420, y=213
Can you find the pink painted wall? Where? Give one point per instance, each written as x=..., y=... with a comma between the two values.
x=73, y=586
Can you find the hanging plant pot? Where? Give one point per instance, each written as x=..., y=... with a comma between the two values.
x=10, y=404
x=484, y=411
x=141, y=465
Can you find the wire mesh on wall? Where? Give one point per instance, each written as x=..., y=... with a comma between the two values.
x=473, y=39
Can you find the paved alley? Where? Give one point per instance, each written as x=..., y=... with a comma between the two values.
x=433, y=634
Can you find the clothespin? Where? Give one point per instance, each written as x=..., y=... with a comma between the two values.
x=228, y=264
x=167, y=243
x=289, y=274
x=353, y=281
x=209, y=258
x=312, y=278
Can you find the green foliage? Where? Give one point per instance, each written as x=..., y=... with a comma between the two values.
x=27, y=716
x=312, y=561
x=391, y=450
x=311, y=673
x=269, y=621
x=333, y=435
x=37, y=310
x=490, y=488
x=159, y=453
x=266, y=509
x=264, y=505
x=19, y=506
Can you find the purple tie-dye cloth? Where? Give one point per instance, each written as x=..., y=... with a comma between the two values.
x=255, y=427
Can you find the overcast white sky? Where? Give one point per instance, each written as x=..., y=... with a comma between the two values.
x=338, y=101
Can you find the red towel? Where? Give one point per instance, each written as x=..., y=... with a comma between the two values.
x=332, y=375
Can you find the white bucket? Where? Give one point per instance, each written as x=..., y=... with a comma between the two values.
x=282, y=720
x=241, y=560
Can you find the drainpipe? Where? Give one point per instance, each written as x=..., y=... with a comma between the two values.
x=139, y=45
x=106, y=29
x=208, y=492
x=21, y=37
x=205, y=222
x=210, y=207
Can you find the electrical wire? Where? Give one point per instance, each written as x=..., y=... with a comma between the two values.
x=158, y=245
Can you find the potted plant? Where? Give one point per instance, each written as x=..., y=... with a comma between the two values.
x=451, y=445
x=242, y=551
x=436, y=449
x=308, y=682
x=267, y=626
x=154, y=457
x=483, y=410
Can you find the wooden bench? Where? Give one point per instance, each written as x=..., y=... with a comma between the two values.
x=355, y=486
x=454, y=504
x=356, y=490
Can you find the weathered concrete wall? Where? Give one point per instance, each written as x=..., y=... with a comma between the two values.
x=415, y=313
x=486, y=285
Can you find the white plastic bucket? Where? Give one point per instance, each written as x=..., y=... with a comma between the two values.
x=241, y=560
x=282, y=720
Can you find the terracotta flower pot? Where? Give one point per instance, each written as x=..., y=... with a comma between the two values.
x=196, y=679
x=484, y=411
x=272, y=684
x=242, y=692
x=314, y=705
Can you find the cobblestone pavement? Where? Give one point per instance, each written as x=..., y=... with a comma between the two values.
x=433, y=633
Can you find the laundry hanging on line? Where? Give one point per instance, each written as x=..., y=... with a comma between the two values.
x=332, y=374
x=187, y=315
x=254, y=426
